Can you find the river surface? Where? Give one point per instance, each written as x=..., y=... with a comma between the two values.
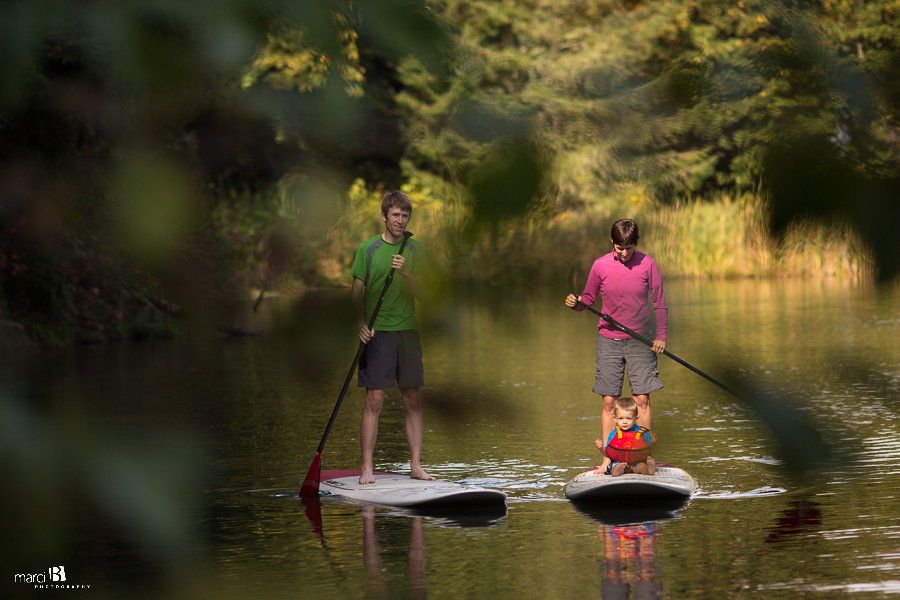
x=174, y=467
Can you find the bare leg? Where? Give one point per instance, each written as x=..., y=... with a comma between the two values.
x=368, y=433
x=607, y=424
x=645, y=419
x=414, y=432
x=645, y=411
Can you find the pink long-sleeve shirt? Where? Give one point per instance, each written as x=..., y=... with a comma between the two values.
x=623, y=289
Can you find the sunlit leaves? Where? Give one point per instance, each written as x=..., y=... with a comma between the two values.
x=289, y=61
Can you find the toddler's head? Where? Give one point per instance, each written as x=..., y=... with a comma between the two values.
x=625, y=413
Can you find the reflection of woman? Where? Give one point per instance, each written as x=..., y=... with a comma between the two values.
x=624, y=279
x=630, y=562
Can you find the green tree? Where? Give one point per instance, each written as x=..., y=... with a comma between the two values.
x=132, y=158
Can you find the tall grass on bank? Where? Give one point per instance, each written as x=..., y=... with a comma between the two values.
x=727, y=237
x=813, y=249
x=717, y=237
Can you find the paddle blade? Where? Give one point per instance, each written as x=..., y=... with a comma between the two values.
x=311, y=483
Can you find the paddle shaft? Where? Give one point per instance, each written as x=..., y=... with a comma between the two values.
x=362, y=345
x=641, y=338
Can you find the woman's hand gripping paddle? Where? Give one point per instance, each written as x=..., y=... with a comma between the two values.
x=311, y=483
x=801, y=444
x=649, y=343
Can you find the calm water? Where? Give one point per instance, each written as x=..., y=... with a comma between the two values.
x=174, y=467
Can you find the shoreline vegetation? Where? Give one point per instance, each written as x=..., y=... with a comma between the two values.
x=718, y=237
x=274, y=247
x=175, y=169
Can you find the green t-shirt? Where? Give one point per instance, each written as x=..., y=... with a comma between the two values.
x=372, y=265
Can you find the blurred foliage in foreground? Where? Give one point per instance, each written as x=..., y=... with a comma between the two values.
x=159, y=160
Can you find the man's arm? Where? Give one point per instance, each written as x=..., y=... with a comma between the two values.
x=357, y=291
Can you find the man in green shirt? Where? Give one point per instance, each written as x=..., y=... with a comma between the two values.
x=393, y=353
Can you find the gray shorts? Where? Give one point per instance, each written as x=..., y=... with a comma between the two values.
x=392, y=357
x=613, y=355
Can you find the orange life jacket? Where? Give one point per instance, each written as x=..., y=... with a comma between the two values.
x=628, y=447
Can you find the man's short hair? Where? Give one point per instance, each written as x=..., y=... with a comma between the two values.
x=395, y=198
x=625, y=233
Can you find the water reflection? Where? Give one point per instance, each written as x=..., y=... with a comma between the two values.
x=391, y=560
x=464, y=515
x=625, y=511
x=415, y=573
x=630, y=553
x=384, y=538
x=628, y=533
x=801, y=517
x=751, y=530
x=313, y=509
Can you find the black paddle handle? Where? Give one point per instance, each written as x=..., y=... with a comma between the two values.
x=362, y=345
x=641, y=338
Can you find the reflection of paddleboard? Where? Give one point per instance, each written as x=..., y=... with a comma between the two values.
x=595, y=484
x=400, y=490
x=626, y=513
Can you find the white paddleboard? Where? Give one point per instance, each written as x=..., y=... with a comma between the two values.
x=400, y=490
x=595, y=484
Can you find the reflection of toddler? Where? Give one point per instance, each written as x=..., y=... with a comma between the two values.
x=628, y=446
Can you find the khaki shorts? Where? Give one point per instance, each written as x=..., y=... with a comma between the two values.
x=392, y=357
x=612, y=358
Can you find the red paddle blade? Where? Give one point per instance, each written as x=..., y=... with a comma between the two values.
x=311, y=483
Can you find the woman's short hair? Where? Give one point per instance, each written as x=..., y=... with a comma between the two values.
x=625, y=233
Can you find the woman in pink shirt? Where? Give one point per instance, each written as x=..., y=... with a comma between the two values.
x=624, y=279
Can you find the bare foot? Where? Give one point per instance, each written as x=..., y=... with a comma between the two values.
x=599, y=445
x=651, y=466
x=618, y=469
x=366, y=477
x=641, y=469
x=418, y=473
